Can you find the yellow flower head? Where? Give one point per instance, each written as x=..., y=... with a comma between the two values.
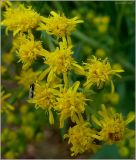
x=71, y=103
x=28, y=49
x=112, y=124
x=45, y=98
x=61, y=61
x=20, y=19
x=28, y=77
x=58, y=25
x=80, y=136
x=99, y=71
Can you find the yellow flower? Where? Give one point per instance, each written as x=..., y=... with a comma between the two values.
x=20, y=19
x=80, y=136
x=21, y=39
x=45, y=98
x=6, y=106
x=99, y=71
x=28, y=49
x=61, y=61
x=71, y=103
x=112, y=124
x=27, y=78
x=59, y=25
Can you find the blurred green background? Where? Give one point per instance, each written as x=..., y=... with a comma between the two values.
x=108, y=31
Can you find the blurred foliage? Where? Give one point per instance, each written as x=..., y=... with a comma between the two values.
x=108, y=31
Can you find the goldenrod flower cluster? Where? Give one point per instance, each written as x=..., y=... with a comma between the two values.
x=112, y=124
x=80, y=136
x=20, y=19
x=59, y=25
x=53, y=89
x=27, y=49
x=71, y=103
x=99, y=72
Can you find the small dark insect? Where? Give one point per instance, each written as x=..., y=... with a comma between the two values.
x=31, y=90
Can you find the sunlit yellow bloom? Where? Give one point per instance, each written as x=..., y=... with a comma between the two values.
x=45, y=98
x=27, y=78
x=6, y=106
x=99, y=71
x=101, y=23
x=21, y=39
x=28, y=49
x=80, y=136
x=20, y=19
x=59, y=25
x=61, y=61
x=71, y=103
x=111, y=98
x=112, y=124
